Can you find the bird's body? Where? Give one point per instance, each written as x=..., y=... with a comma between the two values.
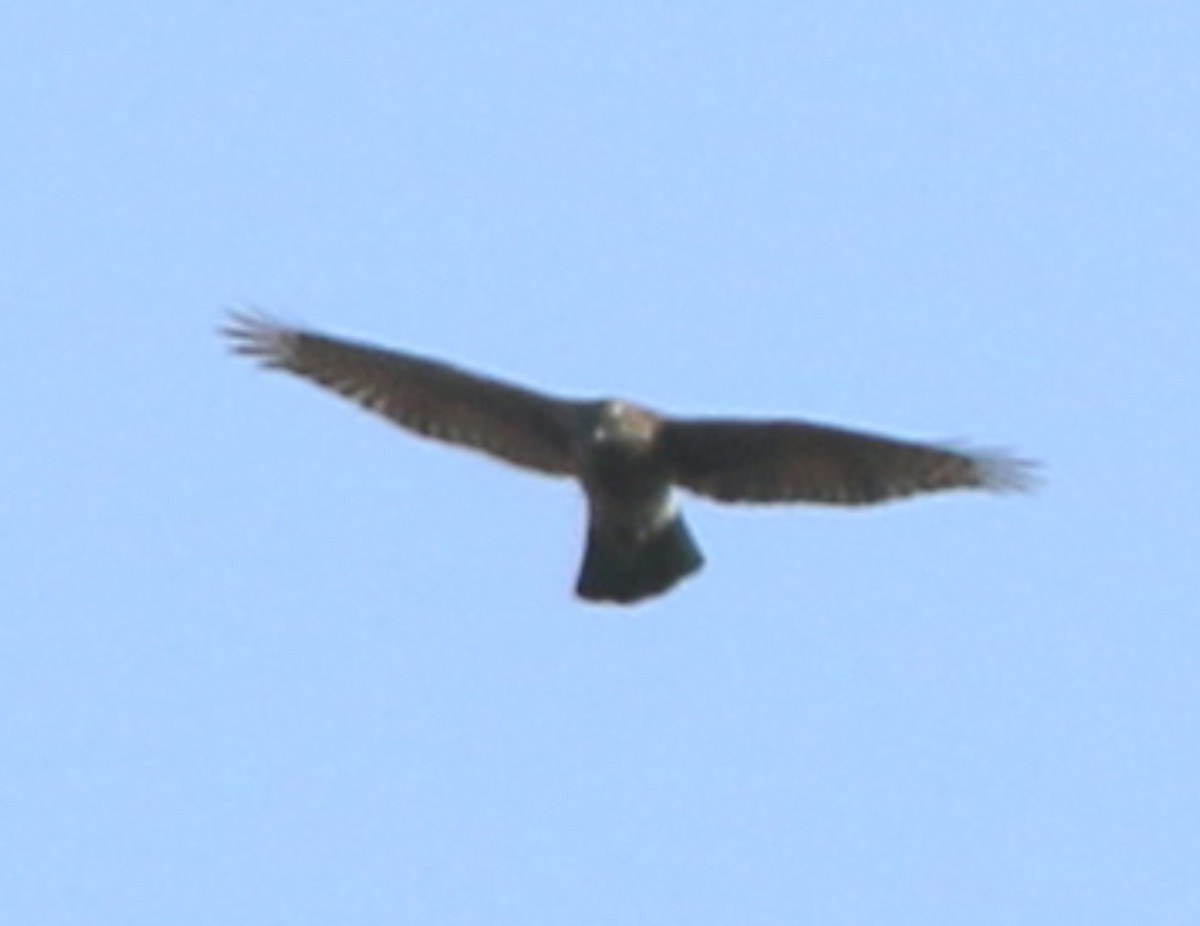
x=625, y=457
x=638, y=544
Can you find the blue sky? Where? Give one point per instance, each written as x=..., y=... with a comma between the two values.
x=265, y=660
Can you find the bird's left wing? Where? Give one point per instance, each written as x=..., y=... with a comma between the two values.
x=431, y=398
x=780, y=461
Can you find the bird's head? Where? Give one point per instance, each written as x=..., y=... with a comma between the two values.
x=619, y=422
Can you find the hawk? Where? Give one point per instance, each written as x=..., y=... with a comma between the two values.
x=626, y=458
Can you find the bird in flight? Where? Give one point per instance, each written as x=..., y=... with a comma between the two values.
x=626, y=458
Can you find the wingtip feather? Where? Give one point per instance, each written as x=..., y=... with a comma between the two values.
x=256, y=334
x=999, y=471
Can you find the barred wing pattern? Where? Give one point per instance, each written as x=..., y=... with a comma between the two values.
x=780, y=461
x=431, y=398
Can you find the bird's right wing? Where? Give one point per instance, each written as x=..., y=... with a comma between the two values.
x=431, y=398
x=780, y=461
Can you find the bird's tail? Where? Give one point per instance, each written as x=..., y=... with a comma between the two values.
x=616, y=568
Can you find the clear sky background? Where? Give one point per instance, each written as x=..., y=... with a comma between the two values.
x=266, y=660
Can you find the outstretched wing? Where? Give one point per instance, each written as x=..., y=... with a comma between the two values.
x=780, y=461
x=431, y=398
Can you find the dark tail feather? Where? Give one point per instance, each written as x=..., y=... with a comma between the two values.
x=616, y=570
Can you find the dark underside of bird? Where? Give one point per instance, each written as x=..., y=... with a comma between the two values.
x=628, y=569
x=627, y=458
